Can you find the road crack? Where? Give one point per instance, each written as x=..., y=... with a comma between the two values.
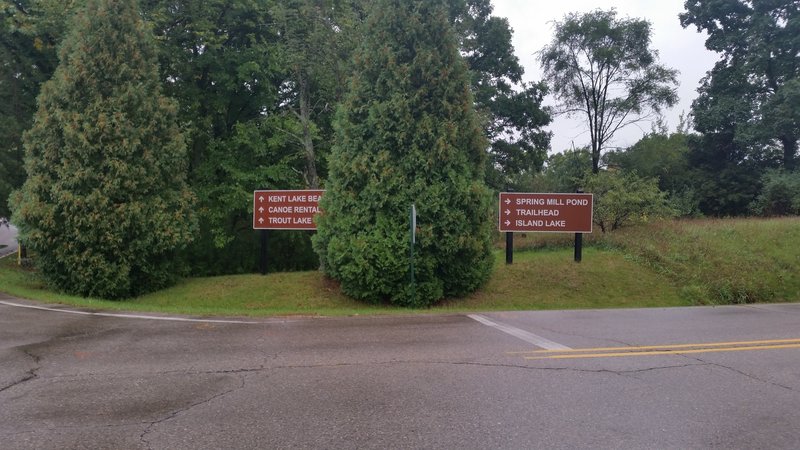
x=573, y=369
x=745, y=374
x=30, y=374
x=150, y=425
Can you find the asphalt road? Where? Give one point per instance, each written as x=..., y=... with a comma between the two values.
x=8, y=240
x=660, y=378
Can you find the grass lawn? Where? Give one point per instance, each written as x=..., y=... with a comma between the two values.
x=541, y=279
x=676, y=263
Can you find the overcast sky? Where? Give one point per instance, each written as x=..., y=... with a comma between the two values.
x=678, y=48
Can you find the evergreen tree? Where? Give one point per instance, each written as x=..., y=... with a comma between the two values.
x=106, y=204
x=407, y=133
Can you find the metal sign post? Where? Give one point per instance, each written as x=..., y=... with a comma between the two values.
x=283, y=210
x=413, y=241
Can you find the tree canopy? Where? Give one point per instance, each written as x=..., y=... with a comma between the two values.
x=752, y=91
x=27, y=59
x=512, y=109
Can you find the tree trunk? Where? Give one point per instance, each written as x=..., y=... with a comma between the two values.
x=789, y=152
x=311, y=176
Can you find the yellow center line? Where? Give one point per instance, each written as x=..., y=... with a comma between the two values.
x=664, y=352
x=658, y=347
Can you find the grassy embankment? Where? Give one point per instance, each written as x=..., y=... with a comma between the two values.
x=661, y=264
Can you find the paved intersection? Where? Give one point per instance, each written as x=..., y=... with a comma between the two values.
x=89, y=381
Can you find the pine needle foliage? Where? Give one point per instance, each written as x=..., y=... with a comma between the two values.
x=407, y=133
x=106, y=206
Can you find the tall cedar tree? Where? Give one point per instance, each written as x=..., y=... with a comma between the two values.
x=106, y=204
x=407, y=133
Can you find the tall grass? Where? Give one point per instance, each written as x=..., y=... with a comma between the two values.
x=721, y=261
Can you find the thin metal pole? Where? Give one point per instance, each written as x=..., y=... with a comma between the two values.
x=412, y=224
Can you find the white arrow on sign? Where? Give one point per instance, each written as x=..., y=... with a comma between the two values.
x=261, y=220
x=508, y=212
x=508, y=222
x=508, y=201
x=261, y=199
x=261, y=210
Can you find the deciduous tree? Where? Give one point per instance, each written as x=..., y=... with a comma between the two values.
x=753, y=88
x=29, y=33
x=317, y=38
x=220, y=60
x=514, y=117
x=624, y=198
x=601, y=68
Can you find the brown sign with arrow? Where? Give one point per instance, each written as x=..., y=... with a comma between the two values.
x=536, y=212
x=286, y=210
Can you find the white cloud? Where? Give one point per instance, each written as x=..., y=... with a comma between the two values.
x=681, y=49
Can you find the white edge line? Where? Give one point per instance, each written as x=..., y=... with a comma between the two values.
x=520, y=334
x=130, y=316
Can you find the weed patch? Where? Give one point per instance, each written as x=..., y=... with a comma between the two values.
x=718, y=261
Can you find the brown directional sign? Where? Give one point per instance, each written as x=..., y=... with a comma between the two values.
x=285, y=210
x=557, y=213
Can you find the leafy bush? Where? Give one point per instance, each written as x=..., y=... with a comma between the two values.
x=780, y=195
x=624, y=198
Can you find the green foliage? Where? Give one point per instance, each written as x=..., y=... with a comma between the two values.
x=664, y=157
x=513, y=111
x=624, y=198
x=602, y=69
x=725, y=180
x=752, y=90
x=727, y=160
x=257, y=83
x=407, y=133
x=224, y=63
x=780, y=195
x=564, y=172
x=657, y=155
x=27, y=52
x=105, y=206
x=316, y=41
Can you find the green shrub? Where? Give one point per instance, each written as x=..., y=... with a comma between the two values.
x=780, y=195
x=407, y=133
x=721, y=261
x=624, y=198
